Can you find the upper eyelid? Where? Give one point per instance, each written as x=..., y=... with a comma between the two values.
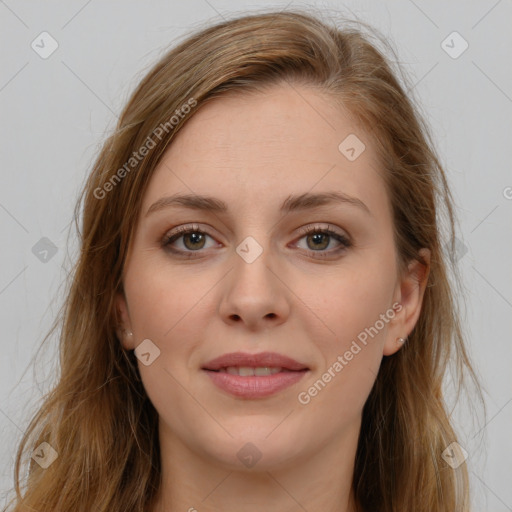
x=327, y=227
x=319, y=226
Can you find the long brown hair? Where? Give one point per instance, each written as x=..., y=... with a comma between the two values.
x=98, y=418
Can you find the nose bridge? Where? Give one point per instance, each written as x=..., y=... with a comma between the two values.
x=254, y=291
x=252, y=265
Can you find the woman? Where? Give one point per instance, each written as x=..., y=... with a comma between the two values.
x=261, y=315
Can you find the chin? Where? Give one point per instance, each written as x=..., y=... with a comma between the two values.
x=257, y=444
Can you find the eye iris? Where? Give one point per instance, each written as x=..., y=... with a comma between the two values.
x=195, y=237
x=317, y=237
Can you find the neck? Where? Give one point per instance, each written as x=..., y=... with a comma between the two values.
x=321, y=480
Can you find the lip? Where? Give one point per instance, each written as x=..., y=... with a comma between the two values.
x=252, y=387
x=254, y=361
x=255, y=387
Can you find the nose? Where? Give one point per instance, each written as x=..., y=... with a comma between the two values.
x=254, y=294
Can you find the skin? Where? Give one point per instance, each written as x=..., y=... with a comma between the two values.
x=252, y=151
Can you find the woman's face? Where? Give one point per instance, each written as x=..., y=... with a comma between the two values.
x=250, y=279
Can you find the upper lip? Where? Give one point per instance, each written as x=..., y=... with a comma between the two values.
x=271, y=359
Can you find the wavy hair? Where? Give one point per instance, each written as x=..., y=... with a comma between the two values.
x=97, y=416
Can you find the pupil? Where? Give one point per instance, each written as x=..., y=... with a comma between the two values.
x=318, y=238
x=195, y=237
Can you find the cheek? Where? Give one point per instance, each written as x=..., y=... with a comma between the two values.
x=350, y=304
x=167, y=309
x=162, y=301
x=353, y=300
x=158, y=310
x=174, y=312
x=351, y=340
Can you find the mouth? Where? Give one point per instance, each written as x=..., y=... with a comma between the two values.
x=254, y=386
x=249, y=371
x=252, y=376
x=245, y=362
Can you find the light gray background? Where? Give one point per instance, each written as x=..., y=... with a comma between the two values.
x=55, y=113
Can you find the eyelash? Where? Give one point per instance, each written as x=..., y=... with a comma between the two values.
x=344, y=241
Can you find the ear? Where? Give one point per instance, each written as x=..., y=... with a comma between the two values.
x=123, y=326
x=409, y=294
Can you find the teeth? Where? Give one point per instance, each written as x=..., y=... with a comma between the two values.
x=247, y=371
x=266, y=371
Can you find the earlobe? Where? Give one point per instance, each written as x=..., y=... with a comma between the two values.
x=123, y=323
x=411, y=292
x=126, y=338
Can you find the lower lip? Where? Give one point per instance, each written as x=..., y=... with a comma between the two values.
x=255, y=386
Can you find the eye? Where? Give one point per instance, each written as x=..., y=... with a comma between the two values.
x=318, y=239
x=193, y=240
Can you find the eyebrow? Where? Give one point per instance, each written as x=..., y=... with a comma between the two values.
x=293, y=203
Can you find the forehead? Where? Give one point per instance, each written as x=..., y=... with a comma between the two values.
x=255, y=149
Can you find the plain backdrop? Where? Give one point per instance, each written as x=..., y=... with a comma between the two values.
x=57, y=109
